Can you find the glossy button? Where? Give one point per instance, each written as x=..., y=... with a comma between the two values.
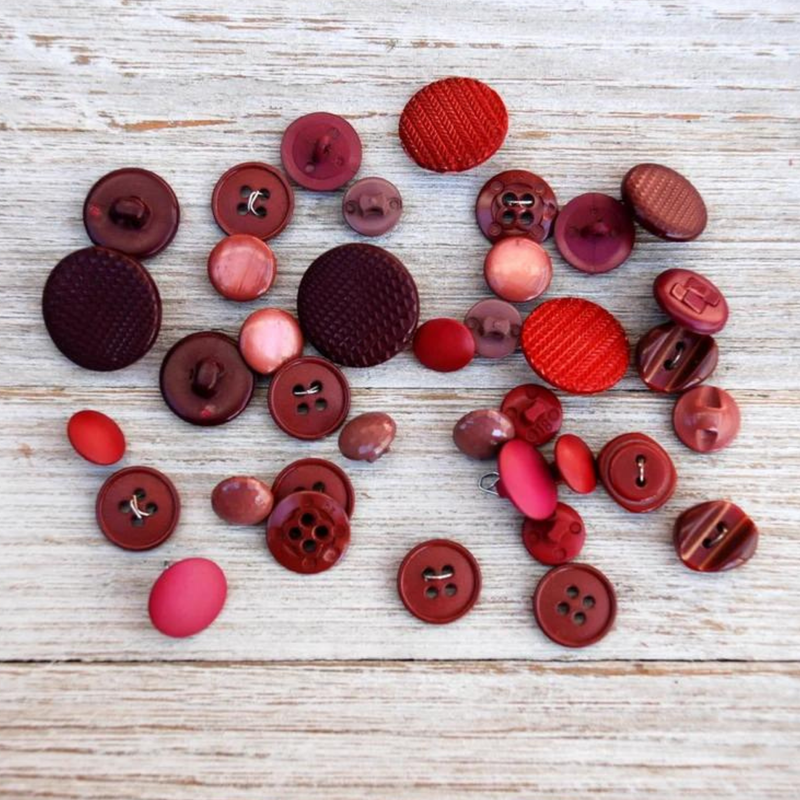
x=557, y=539
x=316, y=475
x=535, y=411
x=439, y=581
x=444, y=345
x=518, y=269
x=372, y=206
x=269, y=338
x=481, y=433
x=367, y=437
x=706, y=419
x=138, y=508
x=525, y=479
x=575, y=463
x=241, y=500
x=96, y=437
x=495, y=326
x=241, y=267
x=691, y=300
x=672, y=359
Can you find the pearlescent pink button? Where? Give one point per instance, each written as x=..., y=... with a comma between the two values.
x=241, y=267
x=518, y=269
x=269, y=338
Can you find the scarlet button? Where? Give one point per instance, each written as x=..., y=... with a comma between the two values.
x=525, y=479
x=96, y=437
x=557, y=539
x=444, y=345
x=672, y=359
x=495, y=327
x=575, y=463
x=535, y=411
x=691, y=300
x=317, y=475
x=706, y=419
x=518, y=269
x=372, y=206
x=241, y=267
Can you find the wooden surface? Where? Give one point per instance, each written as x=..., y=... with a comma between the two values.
x=326, y=684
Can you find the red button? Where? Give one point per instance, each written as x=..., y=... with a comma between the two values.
x=439, y=581
x=495, y=326
x=317, y=475
x=672, y=359
x=367, y=437
x=481, y=433
x=96, y=437
x=241, y=500
x=444, y=345
x=706, y=419
x=691, y=300
x=575, y=463
x=372, y=206
x=241, y=267
x=525, y=479
x=518, y=269
x=557, y=539
x=535, y=411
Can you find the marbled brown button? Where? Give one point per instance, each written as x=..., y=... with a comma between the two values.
x=672, y=359
x=706, y=419
x=481, y=433
x=241, y=500
x=367, y=437
x=691, y=299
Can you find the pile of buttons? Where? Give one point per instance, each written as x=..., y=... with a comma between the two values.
x=358, y=305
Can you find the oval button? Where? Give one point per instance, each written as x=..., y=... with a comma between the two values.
x=672, y=359
x=444, y=345
x=96, y=437
x=535, y=411
x=692, y=300
x=241, y=500
x=575, y=463
x=480, y=434
x=367, y=437
x=526, y=480
x=316, y=475
x=557, y=539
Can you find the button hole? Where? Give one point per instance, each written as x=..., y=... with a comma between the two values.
x=508, y=217
x=572, y=591
x=321, y=531
x=319, y=486
x=295, y=533
x=241, y=209
x=526, y=218
x=579, y=618
x=308, y=520
x=588, y=601
x=137, y=522
x=641, y=480
x=245, y=192
x=302, y=409
x=671, y=363
x=125, y=507
x=717, y=536
x=431, y=592
x=309, y=545
x=321, y=404
x=450, y=589
x=563, y=609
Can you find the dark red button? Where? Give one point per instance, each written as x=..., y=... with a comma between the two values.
x=526, y=480
x=691, y=300
x=241, y=267
x=575, y=463
x=480, y=434
x=495, y=327
x=372, y=206
x=132, y=210
x=575, y=605
x=367, y=437
x=138, y=508
x=439, y=581
x=557, y=539
x=535, y=411
x=518, y=269
x=316, y=475
x=444, y=345
x=672, y=359
x=308, y=532
x=706, y=419
x=242, y=500
x=96, y=437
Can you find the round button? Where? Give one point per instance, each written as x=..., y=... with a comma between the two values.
x=575, y=463
x=495, y=327
x=241, y=267
x=241, y=500
x=102, y=309
x=526, y=480
x=253, y=198
x=96, y=437
x=576, y=345
x=672, y=359
x=269, y=338
x=518, y=269
x=309, y=398
x=516, y=203
x=444, y=345
x=535, y=411
x=132, y=210
x=308, y=532
x=594, y=233
x=557, y=539
x=316, y=475
x=138, y=508
x=706, y=419
x=439, y=581
x=691, y=300
x=372, y=206
x=480, y=434
x=367, y=437
x=575, y=605
x=637, y=472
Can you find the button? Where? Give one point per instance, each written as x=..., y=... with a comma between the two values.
x=575, y=605
x=480, y=434
x=495, y=327
x=204, y=379
x=453, y=125
x=241, y=267
x=317, y=475
x=637, y=472
x=132, y=210
x=706, y=419
x=439, y=581
x=308, y=532
x=96, y=437
x=444, y=345
x=557, y=539
x=594, y=233
x=269, y=338
x=672, y=359
x=575, y=463
x=102, y=309
x=372, y=206
x=138, y=508
x=516, y=203
x=241, y=500
x=253, y=198
x=576, y=345
x=535, y=411
x=309, y=398
x=367, y=437
x=715, y=536
x=664, y=202
x=691, y=300
x=518, y=269
x=358, y=305
x=525, y=479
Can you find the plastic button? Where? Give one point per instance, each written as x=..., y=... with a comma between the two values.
x=269, y=338
x=691, y=300
x=706, y=419
x=575, y=463
x=367, y=437
x=317, y=475
x=495, y=327
x=241, y=267
x=480, y=434
x=372, y=206
x=96, y=437
x=241, y=500
x=444, y=345
x=535, y=411
x=557, y=539
x=518, y=269
x=525, y=479
x=672, y=359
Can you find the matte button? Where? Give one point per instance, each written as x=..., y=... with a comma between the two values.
x=480, y=434
x=367, y=437
x=444, y=345
x=372, y=206
x=575, y=463
x=96, y=437
x=691, y=300
x=138, y=508
x=672, y=359
x=518, y=269
x=525, y=479
x=241, y=500
x=495, y=327
x=439, y=581
x=535, y=411
x=317, y=475
x=706, y=419
x=269, y=338
x=241, y=267
x=557, y=539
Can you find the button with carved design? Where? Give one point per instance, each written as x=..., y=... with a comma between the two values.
x=692, y=300
x=535, y=411
x=706, y=419
x=670, y=358
x=372, y=206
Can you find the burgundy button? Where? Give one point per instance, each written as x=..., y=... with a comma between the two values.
x=204, y=379
x=691, y=300
x=138, y=508
x=253, y=198
x=269, y=338
x=308, y=532
x=309, y=397
x=672, y=359
x=516, y=203
x=444, y=345
x=706, y=419
x=439, y=581
x=132, y=210
x=535, y=411
x=637, y=472
x=575, y=463
x=575, y=605
x=241, y=500
x=594, y=233
x=102, y=309
x=715, y=536
x=557, y=539
x=495, y=327
x=518, y=269
x=372, y=206
x=525, y=479
x=316, y=475
x=367, y=437
x=321, y=151
x=480, y=434
x=96, y=437
x=241, y=267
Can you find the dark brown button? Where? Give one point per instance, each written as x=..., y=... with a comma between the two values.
x=241, y=267
x=557, y=539
x=715, y=536
x=132, y=210
x=480, y=434
x=495, y=327
x=672, y=359
x=241, y=500
x=204, y=379
x=575, y=464
x=316, y=475
x=706, y=419
x=691, y=300
x=535, y=411
x=367, y=437
x=372, y=206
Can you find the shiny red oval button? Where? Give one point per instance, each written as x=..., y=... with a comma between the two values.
x=444, y=344
x=96, y=437
x=575, y=463
x=526, y=480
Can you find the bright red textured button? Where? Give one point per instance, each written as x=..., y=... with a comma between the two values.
x=96, y=437
x=444, y=345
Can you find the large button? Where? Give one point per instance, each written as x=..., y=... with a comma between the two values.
x=138, y=508
x=439, y=581
x=557, y=539
x=269, y=338
x=308, y=532
x=691, y=300
x=576, y=345
x=535, y=411
x=495, y=327
x=317, y=475
x=132, y=210
x=516, y=203
x=241, y=267
x=672, y=359
x=575, y=605
x=518, y=269
x=204, y=379
x=594, y=233
x=637, y=472
x=102, y=309
x=575, y=463
x=96, y=437
x=525, y=479
x=367, y=437
x=444, y=345
x=480, y=434
x=706, y=419
x=253, y=198
x=453, y=124
x=309, y=398
x=372, y=206
x=242, y=500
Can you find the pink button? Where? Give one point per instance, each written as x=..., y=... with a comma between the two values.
x=526, y=480
x=269, y=338
x=518, y=269
x=241, y=267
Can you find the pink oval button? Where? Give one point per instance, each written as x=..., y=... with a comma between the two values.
x=526, y=480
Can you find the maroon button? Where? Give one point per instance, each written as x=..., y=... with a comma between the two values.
x=594, y=233
x=672, y=359
x=241, y=267
x=138, y=508
x=535, y=411
x=480, y=434
x=253, y=198
x=308, y=532
x=495, y=327
x=132, y=210
x=367, y=437
x=96, y=437
x=316, y=475
x=575, y=463
x=372, y=206
x=557, y=539
x=102, y=309
x=444, y=345
x=321, y=151
x=517, y=269
x=691, y=300
x=439, y=581
x=525, y=479
x=241, y=500
x=715, y=536
x=516, y=203
x=637, y=472
x=575, y=605
x=706, y=419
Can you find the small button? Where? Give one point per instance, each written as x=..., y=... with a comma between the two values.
x=575, y=463
x=241, y=500
x=557, y=539
x=96, y=437
x=637, y=472
x=444, y=345
x=535, y=411
x=242, y=267
x=575, y=605
x=691, y=300
x=517, y=269
x=138, y=508
x=526, y=480
x=706, y=419
x=321, y=151
x=367, y=437
x=372, y=206
x=495, y=327
x=480, y=434
x=132, y=210
x=308, y=532
x=269, y=338
x=672, y=359
x=439, y=581
x=317, y=475
x=253, y=198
